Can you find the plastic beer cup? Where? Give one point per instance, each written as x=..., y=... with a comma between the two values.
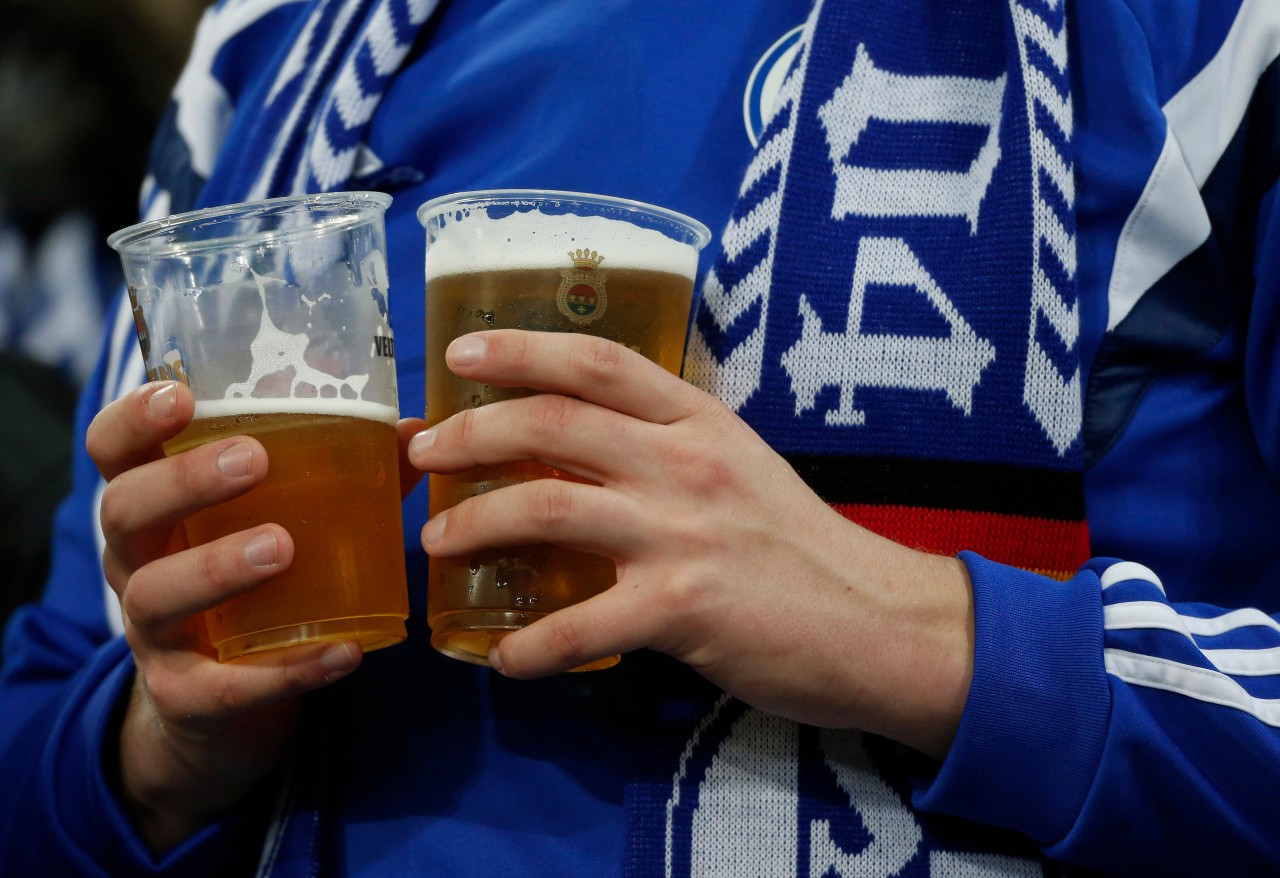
x=275, y=314
x=555, y=262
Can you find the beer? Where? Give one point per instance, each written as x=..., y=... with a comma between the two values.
x=506, y=589
x=333, y=484
x=590, y=279
x=647, y=311
x=275, y=314
x=552, y=262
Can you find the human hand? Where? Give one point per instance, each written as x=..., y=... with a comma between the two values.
x=725, y=559
x=196, y=735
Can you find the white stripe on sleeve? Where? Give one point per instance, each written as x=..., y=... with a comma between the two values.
x=1201, y=684
x=1152, y=614
x=1126, y=570
x=1261, y=662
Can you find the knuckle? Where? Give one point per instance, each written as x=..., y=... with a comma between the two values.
x=111, y=429
x=680, y=597
x=294, y=678
x=189, y=474
x=521, y=349
x=461, y=520
x=115, y=571
x=705, y=469
x=685, y=605
x=601, y=359
x=94, y=440
x=137, y=645
x=464, y=427
x=552, y=503
x=716, y=412
x=112, y=514
x=135, y=607
x=211, y=570
x=553, y=415
x=153, y=680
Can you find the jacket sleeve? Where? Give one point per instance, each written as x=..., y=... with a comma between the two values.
x=62, y=685
x=1124, y=723
x=1118, y=730
x=1123, y=727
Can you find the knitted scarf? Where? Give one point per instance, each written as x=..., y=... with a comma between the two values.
x=311, y=118
x=894, y=303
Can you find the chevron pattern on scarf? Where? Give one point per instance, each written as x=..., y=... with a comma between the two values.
x=727, y=349
x=324, y=94
x=348, y=105
x=893, y=306
x=286, y=109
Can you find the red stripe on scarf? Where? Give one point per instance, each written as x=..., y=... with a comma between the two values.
x=1053, y=548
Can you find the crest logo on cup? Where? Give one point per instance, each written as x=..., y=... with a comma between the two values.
x=581, y=296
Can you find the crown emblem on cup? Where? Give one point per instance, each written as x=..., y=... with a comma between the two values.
x=587, y=260
x=581, y=296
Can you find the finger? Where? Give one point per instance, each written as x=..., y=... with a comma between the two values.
x=590, y=368
x=164, y=594
x=569, y=434
x=205, y=689
x=140, y=506
x=129, y=431
x=570, y=514
x=615, y=622
x=118, y=570
x=406, y=429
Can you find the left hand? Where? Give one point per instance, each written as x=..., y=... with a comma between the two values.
x=725, y=558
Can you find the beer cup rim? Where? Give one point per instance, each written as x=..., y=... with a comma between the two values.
x=161, y=235
x=700, y=234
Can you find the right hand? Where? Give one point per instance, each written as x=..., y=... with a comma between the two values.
x=197, y=735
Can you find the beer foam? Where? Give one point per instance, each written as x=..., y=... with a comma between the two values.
x=527, y=239
x=281, y=355
x=333, y=406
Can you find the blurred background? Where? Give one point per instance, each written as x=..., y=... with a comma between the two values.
x=82, y=85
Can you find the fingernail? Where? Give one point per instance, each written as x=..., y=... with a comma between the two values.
x=434, y=529
x=421, y=443
x=236, y=460
x=261, y=550
x=466, y=350
x=161, y=403
x=495, y=660
x=338, y=657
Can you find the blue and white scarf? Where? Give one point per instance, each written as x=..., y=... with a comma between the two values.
x=894, y=304
x=306, y=132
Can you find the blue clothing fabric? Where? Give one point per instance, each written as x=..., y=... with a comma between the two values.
x=1125, y=720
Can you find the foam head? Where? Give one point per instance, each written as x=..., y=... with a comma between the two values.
x=519, y=230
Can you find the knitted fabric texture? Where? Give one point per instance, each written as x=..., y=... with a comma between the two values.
x=311, y=117
x=894, y=303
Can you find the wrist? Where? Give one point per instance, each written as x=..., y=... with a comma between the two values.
x=171, y=788
x=145, y=772
x=931, y=599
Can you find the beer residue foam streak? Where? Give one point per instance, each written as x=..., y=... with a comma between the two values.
x=347, y=408
x=545, y=242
